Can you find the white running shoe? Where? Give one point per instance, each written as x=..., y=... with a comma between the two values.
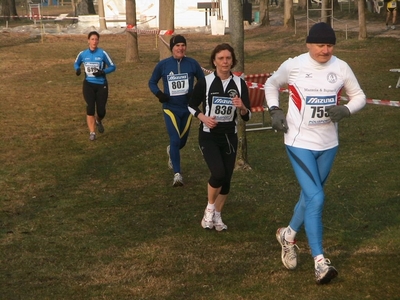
x=178, y=180
x=92, y=136
x=207, y=221
x=288, y=254
x=169, y=158
x=323, y=272
x=99, y=126
x=218, y=224
x=393, y=27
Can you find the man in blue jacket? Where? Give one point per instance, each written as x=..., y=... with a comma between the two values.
x=177, y=73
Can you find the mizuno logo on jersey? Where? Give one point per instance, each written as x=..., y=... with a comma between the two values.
x=224, y=100
x=321, y=100
x=177, y=77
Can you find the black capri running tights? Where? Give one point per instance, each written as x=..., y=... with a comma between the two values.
x=219, y=152
x=96, y=96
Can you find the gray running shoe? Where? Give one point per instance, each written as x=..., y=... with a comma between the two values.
x=218, y=224
x=178, y=180
x=393, y=27
x=92, y=136
x=207, y=221
x=100, y=126
x=169, y=158
x=323, y=272
x=288, y=254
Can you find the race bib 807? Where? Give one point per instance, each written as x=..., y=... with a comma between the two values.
x=178, y=84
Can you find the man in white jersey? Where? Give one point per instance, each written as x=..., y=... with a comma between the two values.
x=315, y=80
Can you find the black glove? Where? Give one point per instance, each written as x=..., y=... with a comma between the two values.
x=78, y=72
x=337, y=112
x=278, y=119
x=162, y=97
x=99, y=73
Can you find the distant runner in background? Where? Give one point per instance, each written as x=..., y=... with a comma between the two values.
x=96, y=63
x=391, y=9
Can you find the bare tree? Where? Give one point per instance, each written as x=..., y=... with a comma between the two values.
x=325, y=11
x=84, y=7
x=302, y=4
x=236, y=30
x=132, y=49
x=288, y=14
x=73, y=4
x=166, y=22
x=336, y=5
x=9, y=9
x=102, y=15
x=362, y=34
x=264, y=13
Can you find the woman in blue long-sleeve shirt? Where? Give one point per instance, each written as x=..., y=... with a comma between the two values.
x=97, y=63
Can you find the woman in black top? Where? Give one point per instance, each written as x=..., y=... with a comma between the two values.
x=223, y=97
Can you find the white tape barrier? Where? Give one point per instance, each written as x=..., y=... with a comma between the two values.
x=38, y=17
x=377, y=101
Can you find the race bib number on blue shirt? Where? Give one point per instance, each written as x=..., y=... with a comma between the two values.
x=91, y=67
x=178, y=84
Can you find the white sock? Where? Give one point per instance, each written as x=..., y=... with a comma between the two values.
x=290, y=234
x=318, y=258
x=217, y=214
x=210, y=206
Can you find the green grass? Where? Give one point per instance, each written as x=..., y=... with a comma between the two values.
x=100, y=220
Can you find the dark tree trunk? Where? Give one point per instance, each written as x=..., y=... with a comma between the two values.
x=362, y=34
x=166, y=22
x=264, y=13
x=85, y=7
x=9, y=9
x=132, y=50
x=236, y=30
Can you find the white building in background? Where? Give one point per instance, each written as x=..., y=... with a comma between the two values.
x=186, y=13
